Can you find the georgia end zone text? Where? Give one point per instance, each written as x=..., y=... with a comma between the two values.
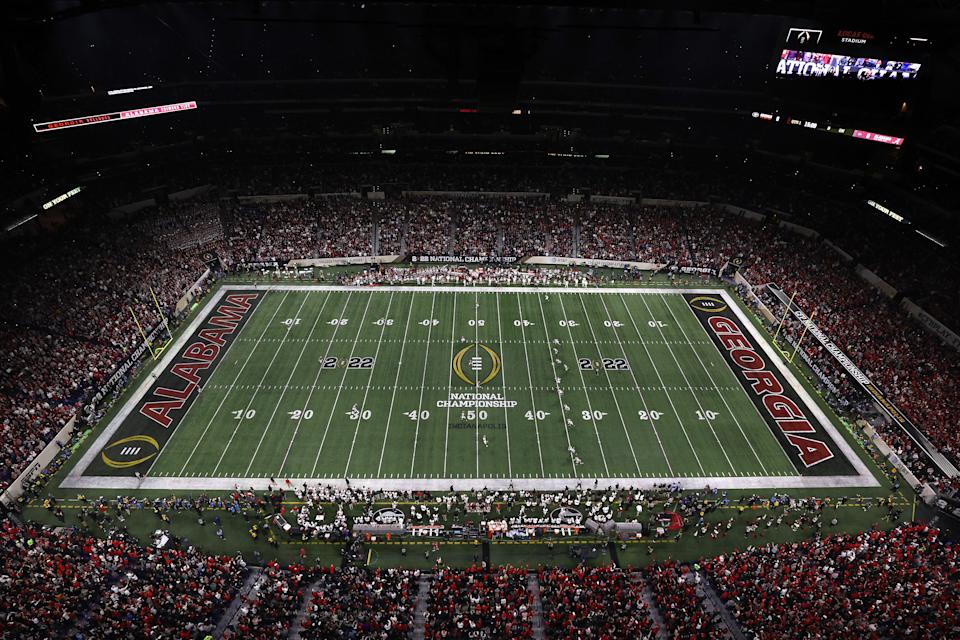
x=791, y=421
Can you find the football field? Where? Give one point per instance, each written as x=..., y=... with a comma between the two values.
x=433, y=387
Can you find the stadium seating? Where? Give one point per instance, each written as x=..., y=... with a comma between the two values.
x=902, y=583
x=65, y=331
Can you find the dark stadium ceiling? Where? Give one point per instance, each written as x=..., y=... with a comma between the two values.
x=601, y=72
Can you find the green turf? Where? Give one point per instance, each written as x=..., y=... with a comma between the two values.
x=271, y=410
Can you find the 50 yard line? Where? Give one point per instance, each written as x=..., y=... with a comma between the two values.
x=476, y=380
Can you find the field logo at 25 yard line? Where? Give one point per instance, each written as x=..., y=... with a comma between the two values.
x=804, y=440
x=144, y=432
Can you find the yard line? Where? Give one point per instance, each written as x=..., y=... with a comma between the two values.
x=536, y=421
x=722, y=397
x=503, y=384
x=237, y=377
x=637, y=386
x=423, y=379
x=476, y=381
x=253, y=396
x=609, y=383
x=695, y=397
x=583, y=382
x=376, y=352
x=396, y=380
x=343, y=379
x=293, y=370
x=660, y=378
x=446, y=434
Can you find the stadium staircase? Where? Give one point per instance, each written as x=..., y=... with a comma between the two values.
x=242, y=596
x=297, y=624
x=420, y=608
x=713, y=604
x=651, y=603
x=533, y=587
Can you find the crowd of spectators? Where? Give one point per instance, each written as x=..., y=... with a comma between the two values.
x=679, y=597
x=903, y=583
x=270, y=609
x=595, y=602
x=476, y=604
x=359, y=603
x=877, y=584
x=62, y=584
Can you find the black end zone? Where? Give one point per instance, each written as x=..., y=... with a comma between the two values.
x=148, y=427
x=789, y=418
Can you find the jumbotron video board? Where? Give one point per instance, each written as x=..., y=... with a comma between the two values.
x=850, y=54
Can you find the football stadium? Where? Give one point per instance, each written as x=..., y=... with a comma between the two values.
x=468, y=321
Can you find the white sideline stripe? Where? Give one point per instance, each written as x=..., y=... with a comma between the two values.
x=866, y=478
x=723, y=397
x=696, y=398
x=526, y=482
x=243, y=416
x=423, y=378
x=366, y=392
x=583, y=382
x=636, y=384
x=396, y=381
x=293, y=370
x=313, y=387
x=616, y=401
x=343, y=379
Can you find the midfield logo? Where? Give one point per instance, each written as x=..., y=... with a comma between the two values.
x=481, y=357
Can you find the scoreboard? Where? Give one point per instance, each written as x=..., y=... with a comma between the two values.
x=128, y=114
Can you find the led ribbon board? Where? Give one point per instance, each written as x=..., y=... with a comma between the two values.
x=82, y=121
x=812, y=64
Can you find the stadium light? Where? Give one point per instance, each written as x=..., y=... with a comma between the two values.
x=939, y=243
x=22, y=221
x=117, y=92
